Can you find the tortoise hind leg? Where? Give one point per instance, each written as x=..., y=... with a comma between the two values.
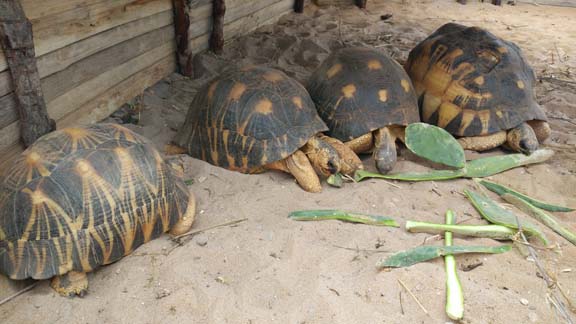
x=385, y=154
x=522, y=138
x=185, y=223
x=483, y=143
x=71, y=284
x=300, y=167
x=349, y=161
x=541, y=129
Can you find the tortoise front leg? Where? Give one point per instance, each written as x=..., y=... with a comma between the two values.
x=362, y=144
x=300, y=167
x=522, y=138
x=384, y=153
x=71, y=284
x=483, y=143
x=349, y=161
x=541, y=129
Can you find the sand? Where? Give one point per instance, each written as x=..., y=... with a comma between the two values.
x=269, y=269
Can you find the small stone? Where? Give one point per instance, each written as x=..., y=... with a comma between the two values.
x=533, y=317
x=524, y=301
x=201, y=239
x=163, y=293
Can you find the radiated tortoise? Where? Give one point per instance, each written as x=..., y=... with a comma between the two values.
x=83, y=197
x=256, y=118
x=366, y=99
x=478, y=87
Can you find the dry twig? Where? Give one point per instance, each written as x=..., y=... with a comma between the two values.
x=414, y=297
x=18, y=293
x=552, y=296
x=210, y=227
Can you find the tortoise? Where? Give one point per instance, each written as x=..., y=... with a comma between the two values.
x=257, y=118
x=478, y=87
x=83, y=197
x=366, y=99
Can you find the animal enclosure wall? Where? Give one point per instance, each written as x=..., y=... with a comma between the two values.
x=95, y=55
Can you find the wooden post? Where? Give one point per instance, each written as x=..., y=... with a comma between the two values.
x=361, y=4
x=217, y=36
x=299, y=6
x=181, y=26
x=18, y=44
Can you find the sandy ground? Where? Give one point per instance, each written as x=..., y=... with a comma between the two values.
x=271, y=269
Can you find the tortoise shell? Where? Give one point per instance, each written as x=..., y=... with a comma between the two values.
x=83, y=197
x=471, y=82
x=247, y=118
x=358, y=90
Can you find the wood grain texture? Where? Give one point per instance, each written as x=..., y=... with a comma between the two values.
x=216, y=42
x=57, y=31
x=17, y=41
x=95, y=90
x=106, y=103
x=82, y=71
x=267, y=15
x=60, y=83
x=91, y=89
x=299, y=6
x=181, y=28
x=201, y=21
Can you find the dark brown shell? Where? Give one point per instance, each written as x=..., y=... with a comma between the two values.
x=471, y=82
x=358, y=90
x=248, y=118
x=83, y=197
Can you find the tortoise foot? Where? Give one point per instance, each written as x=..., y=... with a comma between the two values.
x=71, y=284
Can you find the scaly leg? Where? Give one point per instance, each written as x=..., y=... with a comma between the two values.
x=362, y=144
x=71, y=284
x=541, y=129
x=185, y=223
x=300, y=167
x=384, y=153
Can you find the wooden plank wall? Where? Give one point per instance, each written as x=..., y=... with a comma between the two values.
x=95, y=55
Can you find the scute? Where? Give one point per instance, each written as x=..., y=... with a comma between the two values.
x=266, y=121
x=107, y=191
x=358, y=90
x=477, y=72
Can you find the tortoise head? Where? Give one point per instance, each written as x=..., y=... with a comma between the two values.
x=522, y=138
x=323, y=156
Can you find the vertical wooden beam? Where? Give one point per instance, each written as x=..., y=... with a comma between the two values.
x=18, y=44
x=361, y=4
x=299, y=6
x=181, y=26
x=217, y=36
